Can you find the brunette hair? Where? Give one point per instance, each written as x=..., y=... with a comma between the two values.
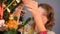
x=50, y=15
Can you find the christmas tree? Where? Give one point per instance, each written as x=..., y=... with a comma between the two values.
x=7, y=12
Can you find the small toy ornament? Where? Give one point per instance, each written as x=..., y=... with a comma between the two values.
x=1, y=11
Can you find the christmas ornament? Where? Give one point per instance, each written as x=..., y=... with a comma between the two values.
x=14, y=4
x=11, y=23
x=1, y=11
x=2, y=23
x=18, y=1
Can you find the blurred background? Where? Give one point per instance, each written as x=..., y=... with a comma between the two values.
x=56, y=5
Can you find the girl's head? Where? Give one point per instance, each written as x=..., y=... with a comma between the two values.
x=47, y=14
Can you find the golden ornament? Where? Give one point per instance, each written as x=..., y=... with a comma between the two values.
x=14, y=4
x=12, y=24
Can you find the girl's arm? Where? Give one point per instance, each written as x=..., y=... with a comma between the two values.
x=17, y=12
x=32, y=6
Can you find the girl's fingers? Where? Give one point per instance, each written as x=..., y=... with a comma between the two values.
x=30, y=2
x=31, y=7
x=20, y=7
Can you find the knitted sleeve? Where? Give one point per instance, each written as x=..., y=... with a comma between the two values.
x=47, y=32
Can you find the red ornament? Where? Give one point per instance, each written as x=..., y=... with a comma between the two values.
x=1, y=11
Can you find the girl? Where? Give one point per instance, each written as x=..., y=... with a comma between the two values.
x=43, y=16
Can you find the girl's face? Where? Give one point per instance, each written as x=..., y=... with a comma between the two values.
x=43, y=14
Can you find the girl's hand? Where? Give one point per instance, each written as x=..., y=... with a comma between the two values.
x=32, y=5
x=18, y=11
